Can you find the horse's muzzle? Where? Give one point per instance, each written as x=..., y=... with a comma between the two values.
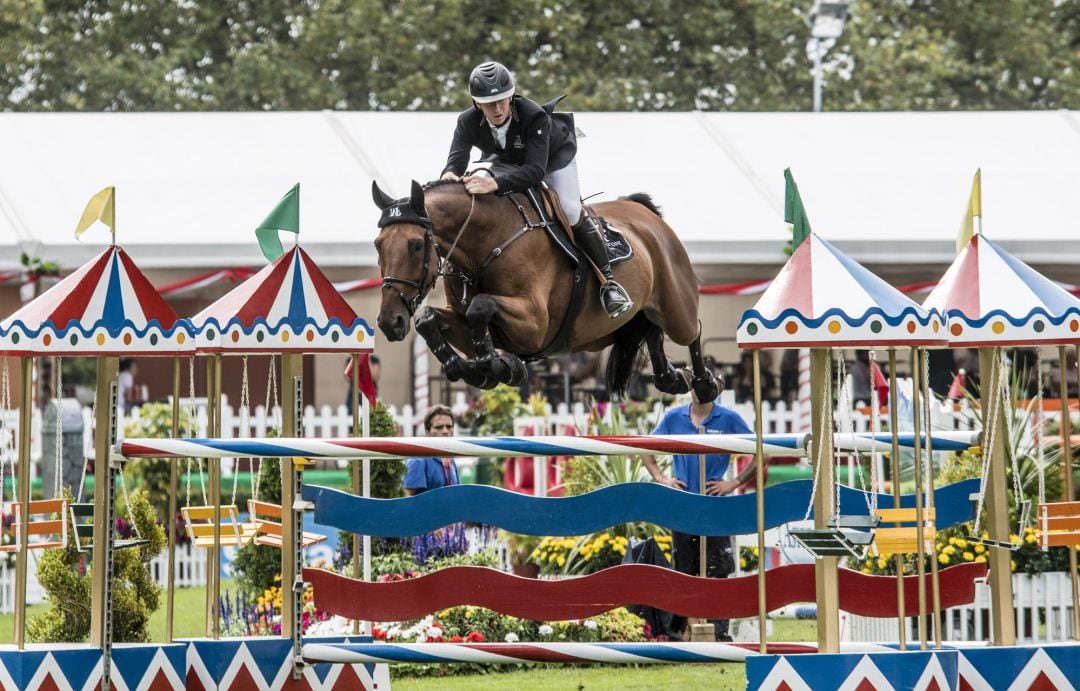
x=394, y=326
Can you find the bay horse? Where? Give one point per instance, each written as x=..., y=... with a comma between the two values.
x=508, y=288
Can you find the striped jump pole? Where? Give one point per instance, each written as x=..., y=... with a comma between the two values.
x=582, y=653
x=785, y=445
x=463, y=447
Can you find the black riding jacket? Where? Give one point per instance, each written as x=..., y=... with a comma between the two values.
x=537, y=143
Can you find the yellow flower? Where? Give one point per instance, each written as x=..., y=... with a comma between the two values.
x=742, y=563
x=979, y=549
x=943, y=558
x=952, y=540
x=468, y=613
x=561, y=561
x=881, y=563
x=1012, y=564
x=1030, y=539
x=949, y=550
x=981, y=558
x=866, y=570
x=968, y=556
x=961, y=543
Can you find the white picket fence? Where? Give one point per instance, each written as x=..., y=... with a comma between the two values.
x=1042, y=604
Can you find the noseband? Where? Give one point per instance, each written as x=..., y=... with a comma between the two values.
x=422, y=285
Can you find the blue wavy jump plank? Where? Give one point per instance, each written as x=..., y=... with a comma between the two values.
x=586, y=513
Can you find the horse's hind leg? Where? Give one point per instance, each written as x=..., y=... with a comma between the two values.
x=666, y=377
x=705, y=384
x=502, y=367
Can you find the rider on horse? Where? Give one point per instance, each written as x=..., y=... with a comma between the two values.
x=537, y=147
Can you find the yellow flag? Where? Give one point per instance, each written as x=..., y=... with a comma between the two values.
x=974, y=210
x=101, y=207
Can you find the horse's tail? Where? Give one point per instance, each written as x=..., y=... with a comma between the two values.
x=622, y=361
x=645, y=200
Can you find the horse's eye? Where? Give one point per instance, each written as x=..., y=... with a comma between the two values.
x=416, y=246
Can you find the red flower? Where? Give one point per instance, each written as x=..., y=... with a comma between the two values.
x=475, y=637
x=456, y=639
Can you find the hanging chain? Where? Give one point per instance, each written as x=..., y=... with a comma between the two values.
x=7, y=449
x=841, y=399
x=59, y=450
x=928, y=447
x=815, y=441
x=875, y=427
x=82, y=481
x=989, y=432
x=245, y=401
x=127, y=504
x=1040, y=420
x=271, y=385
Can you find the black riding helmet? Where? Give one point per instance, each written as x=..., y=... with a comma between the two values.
x=490, y=81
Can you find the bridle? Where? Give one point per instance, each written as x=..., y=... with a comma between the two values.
x=423, y=286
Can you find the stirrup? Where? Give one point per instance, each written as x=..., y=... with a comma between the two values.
x=623, y=305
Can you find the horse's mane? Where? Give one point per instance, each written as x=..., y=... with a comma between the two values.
x=440, y=182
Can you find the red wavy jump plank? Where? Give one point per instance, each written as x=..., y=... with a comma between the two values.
x=586, y=596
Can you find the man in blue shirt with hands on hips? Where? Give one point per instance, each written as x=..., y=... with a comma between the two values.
x=422, y=474
x=715, y=419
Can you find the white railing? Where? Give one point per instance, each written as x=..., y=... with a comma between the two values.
x=1042, y=604
x=34, y=592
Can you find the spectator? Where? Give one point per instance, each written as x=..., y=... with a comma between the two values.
x=422, y=474
x=126, y=395
x=688, y=419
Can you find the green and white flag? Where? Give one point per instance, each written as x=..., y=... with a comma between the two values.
x=794, y=213
x=285, y=216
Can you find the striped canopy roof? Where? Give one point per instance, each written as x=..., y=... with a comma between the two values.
x=289, y=305
x=992, y=298
x=822, y=298
x=107, y=307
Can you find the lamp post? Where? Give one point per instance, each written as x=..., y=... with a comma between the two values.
x=826, y=21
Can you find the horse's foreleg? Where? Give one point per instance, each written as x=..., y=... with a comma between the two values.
x=705, y=384
x=431, y=325
x=503, y=367
x=666, y=377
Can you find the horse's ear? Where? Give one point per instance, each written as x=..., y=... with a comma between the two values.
x=417, y=200
x=382, y=200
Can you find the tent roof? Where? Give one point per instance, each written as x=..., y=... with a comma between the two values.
x=992, y=298
x=885, y=187
x=823, y=298
x=106, y=307
x=289, y=305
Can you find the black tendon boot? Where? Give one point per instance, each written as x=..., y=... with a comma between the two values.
x=613, y=296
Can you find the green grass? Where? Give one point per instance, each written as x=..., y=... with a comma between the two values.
x=720, y=677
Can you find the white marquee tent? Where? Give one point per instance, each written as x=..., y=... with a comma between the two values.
x=883, y=187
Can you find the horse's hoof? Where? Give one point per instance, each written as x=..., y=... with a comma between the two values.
x=707, y=388
x=509, y=370
x=673, y=381
x=454, y=370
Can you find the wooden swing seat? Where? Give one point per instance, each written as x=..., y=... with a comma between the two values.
x=1059, y=524
x=267, y=520
x=199, y=523
x=903, y=539
x=82, y=529
x=53, y=525
x=841, y=537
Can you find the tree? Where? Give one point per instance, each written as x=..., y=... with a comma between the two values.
x=135, y=594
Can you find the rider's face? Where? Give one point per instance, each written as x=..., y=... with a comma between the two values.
x=496, y=112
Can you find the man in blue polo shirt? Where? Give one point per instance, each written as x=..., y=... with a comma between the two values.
x=422, y=474
x=689, y=419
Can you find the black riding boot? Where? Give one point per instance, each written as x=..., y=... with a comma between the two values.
x=613, y=296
